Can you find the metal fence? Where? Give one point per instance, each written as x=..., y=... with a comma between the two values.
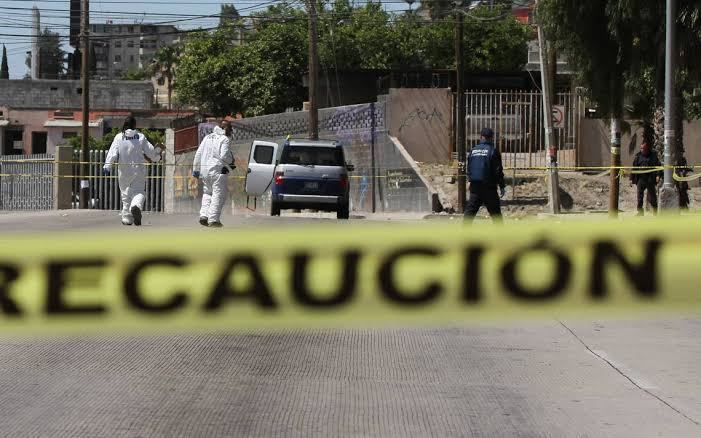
x=26, y=182
x=104, y=190
x=517, y=120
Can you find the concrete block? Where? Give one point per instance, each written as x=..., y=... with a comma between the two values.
x=63, y=167
x=169, y=172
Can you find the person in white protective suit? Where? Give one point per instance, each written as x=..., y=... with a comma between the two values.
x=132, y=150
x=213, y=161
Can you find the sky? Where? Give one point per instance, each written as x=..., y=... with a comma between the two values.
x=16, y=18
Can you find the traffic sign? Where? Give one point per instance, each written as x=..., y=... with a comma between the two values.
x=558, y=116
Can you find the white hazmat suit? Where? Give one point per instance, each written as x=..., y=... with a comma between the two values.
x=212, y=162
x=131, y=148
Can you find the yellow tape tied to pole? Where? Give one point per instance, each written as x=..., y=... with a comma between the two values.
x=345, y=275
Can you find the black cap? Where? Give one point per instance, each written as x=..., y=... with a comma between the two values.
x=487, y=133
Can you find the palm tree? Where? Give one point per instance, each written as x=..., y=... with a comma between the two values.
x=163, y=67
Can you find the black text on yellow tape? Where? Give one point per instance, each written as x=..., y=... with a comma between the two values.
x=346, y=276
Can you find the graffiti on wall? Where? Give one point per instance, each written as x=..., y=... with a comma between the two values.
x=421, y=115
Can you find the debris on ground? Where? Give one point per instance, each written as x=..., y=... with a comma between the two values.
x=526, y=194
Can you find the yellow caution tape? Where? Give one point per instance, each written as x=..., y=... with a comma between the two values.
x=622, y=170
x=343, y=275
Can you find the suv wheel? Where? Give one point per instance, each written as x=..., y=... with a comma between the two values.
x=343, y=211
x=274, y=209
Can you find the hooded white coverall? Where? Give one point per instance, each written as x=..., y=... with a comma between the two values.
x=211, y=158
x=130, y=148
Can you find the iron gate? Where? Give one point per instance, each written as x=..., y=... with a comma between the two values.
x=26, y=182
x=104, y=190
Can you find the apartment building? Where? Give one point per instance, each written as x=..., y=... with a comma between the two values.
x=120, y=48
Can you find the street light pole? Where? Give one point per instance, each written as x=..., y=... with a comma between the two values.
x=669, y=198
x=553, y=177
x=85, y=79
x=313, y=74
x=460, y=118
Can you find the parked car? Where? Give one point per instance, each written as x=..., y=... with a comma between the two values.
x=301, y=174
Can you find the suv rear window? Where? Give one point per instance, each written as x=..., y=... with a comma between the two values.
x=312, y=156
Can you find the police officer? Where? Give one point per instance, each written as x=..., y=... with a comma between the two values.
x=485, y=173
x=646, y=181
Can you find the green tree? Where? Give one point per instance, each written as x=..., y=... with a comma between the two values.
x=264, y=75
x=495, y=41
x=205, y=70
x=51, y=56
x=4, y=69
x=135, y=74
x=228, y=15
x=259, y=77
x=439, y=9
x=163, y=67
x=618, y=47
x=271, y=65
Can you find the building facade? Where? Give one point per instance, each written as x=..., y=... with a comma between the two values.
x=120, y=48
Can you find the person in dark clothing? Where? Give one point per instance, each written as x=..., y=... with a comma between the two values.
x=484, y=173
x=646, y=181
x=683, y=170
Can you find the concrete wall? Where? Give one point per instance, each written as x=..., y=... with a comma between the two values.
x=422, y=121
x=56, y=134
x=594, y=147
x=53, y=94
x=30, y=122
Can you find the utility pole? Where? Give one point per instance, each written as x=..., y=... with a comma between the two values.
x=553, y=179
x=313, y=73
x=85, y=79
x=614, y=191
x=460, y=100
x=669, y=198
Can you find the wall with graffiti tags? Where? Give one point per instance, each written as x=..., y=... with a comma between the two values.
x=422, y=120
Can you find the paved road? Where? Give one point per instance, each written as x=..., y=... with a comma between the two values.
x=572, y=379
x=618, y=379
x=56, y=221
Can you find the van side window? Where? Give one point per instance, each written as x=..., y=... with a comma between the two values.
x=263, y=154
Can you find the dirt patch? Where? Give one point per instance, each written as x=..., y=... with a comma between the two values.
x=526, y=194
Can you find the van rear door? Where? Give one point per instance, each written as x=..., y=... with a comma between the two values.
x=261, y=167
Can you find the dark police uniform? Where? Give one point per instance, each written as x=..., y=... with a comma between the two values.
x=485, y=173
x=646, y=181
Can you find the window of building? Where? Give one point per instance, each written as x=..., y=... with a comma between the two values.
x=118, y=44
x=117, y=58
x=130, y=29
x=67, y=135
x=161, y=81
x=131, y=58
x=39, y=142
x=130, y=43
